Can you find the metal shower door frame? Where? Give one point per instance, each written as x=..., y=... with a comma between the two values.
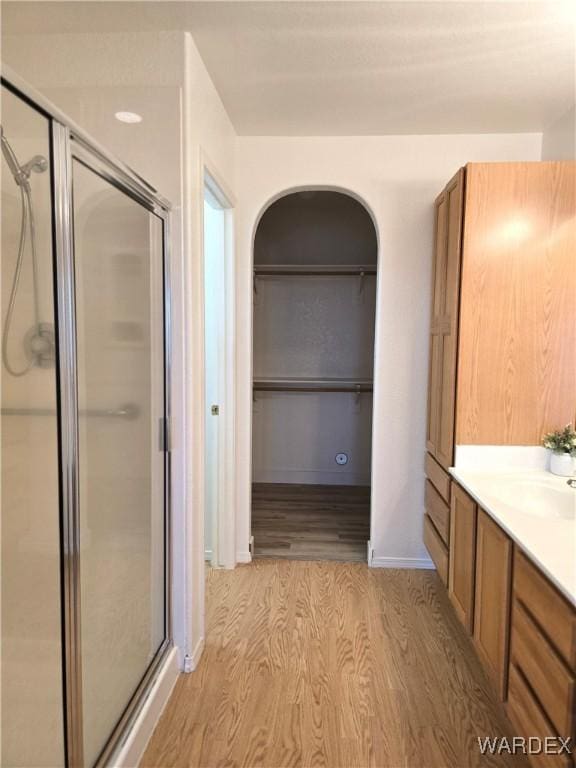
x=68, y=142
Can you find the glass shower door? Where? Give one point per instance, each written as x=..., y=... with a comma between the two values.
x=32, y=721
x=118, y=264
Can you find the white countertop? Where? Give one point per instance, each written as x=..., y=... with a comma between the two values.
x=537, y=510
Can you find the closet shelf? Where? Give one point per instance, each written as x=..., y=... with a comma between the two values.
x=355, y=386
x=313, y=269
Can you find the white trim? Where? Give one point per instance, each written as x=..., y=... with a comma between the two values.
x=370, y=554
x=215, y=182
x=245, y=504
x=137, y=739
x=192, y=660
x=402, y=562
x=243, y=557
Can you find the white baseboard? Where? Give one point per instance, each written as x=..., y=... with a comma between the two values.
x=191, y=660
x=370, y=556
x=246, y=557
x=137, y=739
x=207, y=554
x=311, y=477
x=401, y=562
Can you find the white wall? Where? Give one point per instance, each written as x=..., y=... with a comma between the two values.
x=313, y=327
x=316, y=228
x=162, y=77
x=398, y=177
x=296, y=437
x=559, y=138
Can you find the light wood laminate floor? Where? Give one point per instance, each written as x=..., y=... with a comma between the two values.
x=311, y=522
x=329, y=664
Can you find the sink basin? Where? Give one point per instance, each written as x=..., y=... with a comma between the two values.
x=538, y=498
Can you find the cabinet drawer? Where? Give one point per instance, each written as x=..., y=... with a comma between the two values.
x=438, y=511
x=547, y=606
x=545, y=672
x=438, y=476
x=436, y=548
x=529, y=720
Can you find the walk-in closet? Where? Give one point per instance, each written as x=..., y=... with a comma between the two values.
x=315, y=259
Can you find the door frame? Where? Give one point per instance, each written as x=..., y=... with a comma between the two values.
x=68, y=141
x=246, y=469
x=224, y=541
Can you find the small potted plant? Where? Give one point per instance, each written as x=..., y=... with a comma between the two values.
x=562, y=444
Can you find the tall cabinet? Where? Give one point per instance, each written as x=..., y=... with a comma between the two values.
x=444, y=321
x=502, y=331
x=449, y=213
x=502, y=357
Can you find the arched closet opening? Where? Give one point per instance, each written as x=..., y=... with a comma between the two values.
x=315, y=259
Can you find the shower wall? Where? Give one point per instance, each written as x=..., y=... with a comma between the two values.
x=31, y=652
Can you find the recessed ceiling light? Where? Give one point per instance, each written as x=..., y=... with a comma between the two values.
x=128, y=117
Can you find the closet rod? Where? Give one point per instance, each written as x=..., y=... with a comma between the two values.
x=313, y=269
x=317, y=385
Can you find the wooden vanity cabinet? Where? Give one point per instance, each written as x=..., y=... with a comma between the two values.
x=523, y=629
x=542, y=673
x=437, y=549
x=502, y=287
x=480, y=583
x=492, y=599
x=462, y=558
x=437, y=517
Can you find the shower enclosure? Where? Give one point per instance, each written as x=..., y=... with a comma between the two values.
x=85, y=461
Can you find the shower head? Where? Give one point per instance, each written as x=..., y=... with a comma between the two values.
x=38, y=164
x=21, y=173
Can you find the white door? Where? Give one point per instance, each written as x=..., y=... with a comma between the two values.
x=214, y=346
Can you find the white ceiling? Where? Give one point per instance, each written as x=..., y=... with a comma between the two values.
x=359, y=68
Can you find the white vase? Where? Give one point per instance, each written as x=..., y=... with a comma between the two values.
x=562, y=464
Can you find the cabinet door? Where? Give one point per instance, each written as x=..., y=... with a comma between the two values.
x=444, y=321
x=462, y=555
x=492, y=600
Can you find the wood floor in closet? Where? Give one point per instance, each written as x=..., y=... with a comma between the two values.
x=311, y=522
x=330, y=664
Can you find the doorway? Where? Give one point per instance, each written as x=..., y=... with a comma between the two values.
x=315, y=265
x=218, y=375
